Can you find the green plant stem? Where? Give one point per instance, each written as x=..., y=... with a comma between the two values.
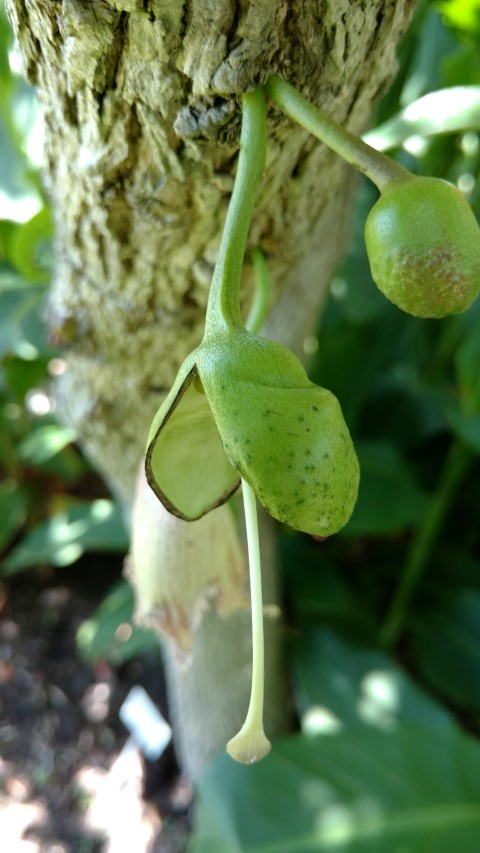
x=380, y=169
x=250, y=743
x=454, y=469
x=261, y=297
x=223, y=311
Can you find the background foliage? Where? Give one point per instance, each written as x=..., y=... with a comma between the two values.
x=383, y=621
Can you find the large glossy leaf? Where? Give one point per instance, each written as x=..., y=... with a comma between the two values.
x=339, y=683
x=388, y=498
x=446, y=646
x=412, y=790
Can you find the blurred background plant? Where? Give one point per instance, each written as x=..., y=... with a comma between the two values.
x=383, y=620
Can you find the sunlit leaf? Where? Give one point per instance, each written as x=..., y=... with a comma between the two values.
x=445, y=111
x=464, y=14
x=44, y=443
x=60, y=541
x=416, y=788
x=340, y=683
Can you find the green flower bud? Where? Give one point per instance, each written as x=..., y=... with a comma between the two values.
x=423, y=244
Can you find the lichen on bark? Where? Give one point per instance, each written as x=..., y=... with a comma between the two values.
x=141, y=104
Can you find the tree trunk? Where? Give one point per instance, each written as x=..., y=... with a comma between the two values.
x=142, y=123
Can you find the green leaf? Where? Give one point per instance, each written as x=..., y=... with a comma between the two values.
x=388, y=498
x=464, y=14
x=23, y=375
x=22, y=331
x=60, y=541
x=465, y=426
x=446, y=646
x=315, y=587
x=49, y=448
x=416, y=788
x=339, y=683
x=434, y=43
x=445, y=111
x=110, y=633
x=13, y=510
x=353, y=289
x=30, y=250
x=467, y=361
x=6, y=36
x=43, y=443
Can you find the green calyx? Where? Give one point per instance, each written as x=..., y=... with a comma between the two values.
x=284, y=435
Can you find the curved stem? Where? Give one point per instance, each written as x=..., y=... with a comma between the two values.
x=380, y=169
x=453, y=471
x=250, y=744
x=223, y=311
x=261, y=297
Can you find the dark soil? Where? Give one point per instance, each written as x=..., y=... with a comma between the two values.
x=65, y=784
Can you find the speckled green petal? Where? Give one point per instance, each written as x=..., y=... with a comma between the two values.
x=185, y=464
x=285, y=436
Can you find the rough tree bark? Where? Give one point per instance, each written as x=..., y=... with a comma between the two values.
x=142, y=122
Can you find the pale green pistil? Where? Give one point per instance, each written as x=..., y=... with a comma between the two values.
x=250, y=744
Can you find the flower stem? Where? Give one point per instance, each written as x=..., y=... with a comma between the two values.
x=223, y=311
x=250, y=744
x=454, y=469
x=380, y=169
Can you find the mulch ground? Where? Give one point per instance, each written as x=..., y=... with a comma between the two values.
x=68, y=779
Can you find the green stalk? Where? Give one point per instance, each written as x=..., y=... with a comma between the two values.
x=454, y=469
x=223, y=311
x=250, y=744
x=380, y=169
